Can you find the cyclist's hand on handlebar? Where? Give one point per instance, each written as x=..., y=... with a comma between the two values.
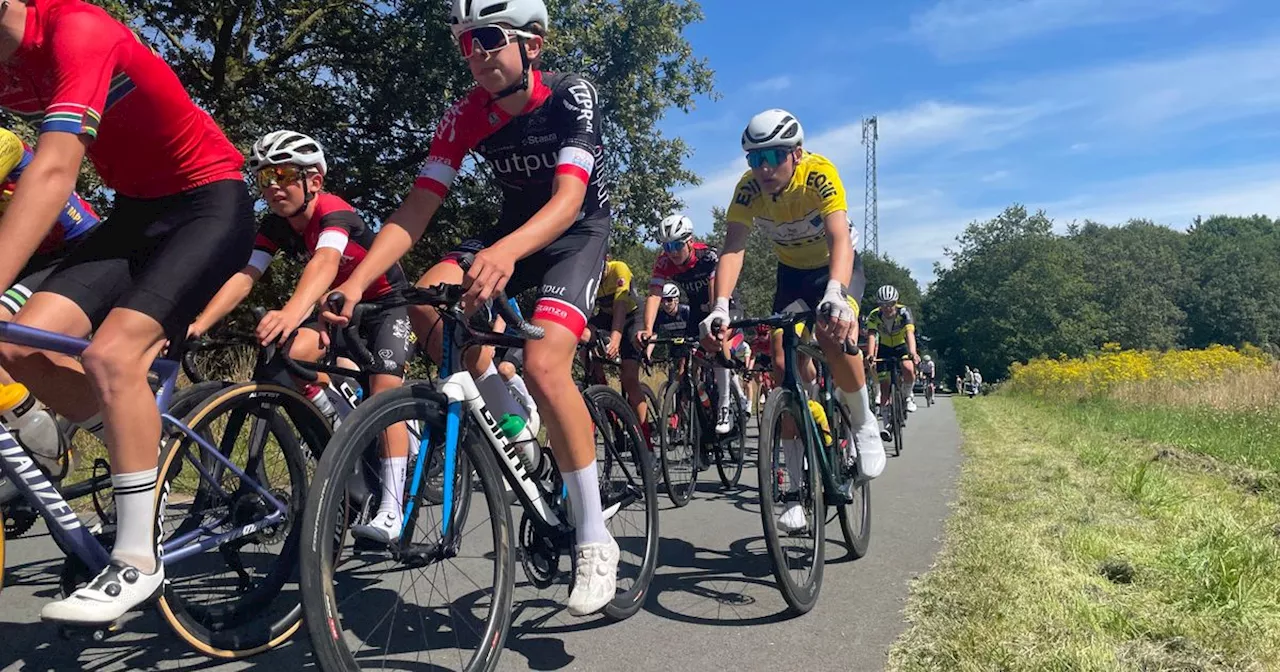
x=713, y=325
x=194, y=331
x=615, y=344
x=642, y=338
x=332, y=314
x=277, y=326
x=489, y=273
x=836, y=315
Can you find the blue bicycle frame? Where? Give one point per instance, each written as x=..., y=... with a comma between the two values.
x=64, y=525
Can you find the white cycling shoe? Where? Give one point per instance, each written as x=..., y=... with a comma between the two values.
x=911, y=405
x=871, y=459
x=725, y=422
x=114, y=591
x=384, y=528
x=793, y=518
x=595, y=580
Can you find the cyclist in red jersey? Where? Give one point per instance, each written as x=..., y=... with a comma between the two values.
x=182, y=223
x=540, y=132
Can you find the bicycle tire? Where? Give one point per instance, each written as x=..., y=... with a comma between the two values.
x=326, y=510
x=731, y=452
x=610, y=409
x=652, y=414
x=899, y=419
x=800, y=597
x=2, y=543
x=243, y=627
x=856, y=539
x=679, y=472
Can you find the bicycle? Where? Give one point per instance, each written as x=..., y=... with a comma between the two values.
x=897, y=405
x=687, y=409
x=593, y=357
x=835, y=483
x=226, y=507
x=928, y=392
x=456, y=418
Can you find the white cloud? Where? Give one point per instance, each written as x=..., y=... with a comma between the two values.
x=771, y=85
x=957, y=27
x=995, y=176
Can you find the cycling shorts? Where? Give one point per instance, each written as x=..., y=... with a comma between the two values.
x=886, y=354
x=386, y=334
x=628, y=351
x=163, y=257
x=808, y=286
x=565, y=274
x=32, y=276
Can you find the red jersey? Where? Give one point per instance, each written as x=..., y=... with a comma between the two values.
x=80, y=71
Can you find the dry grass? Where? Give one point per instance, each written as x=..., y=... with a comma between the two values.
x=1243, y=389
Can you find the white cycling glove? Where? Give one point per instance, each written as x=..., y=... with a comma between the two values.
x=720, y=314
x=835, y=302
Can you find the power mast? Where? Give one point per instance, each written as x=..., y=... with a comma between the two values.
x=870, y=208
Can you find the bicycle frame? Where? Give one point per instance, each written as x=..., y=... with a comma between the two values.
x=64, y=524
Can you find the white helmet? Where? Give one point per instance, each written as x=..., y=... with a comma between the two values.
x=468, y=14
x=927, y=358
x=285, y=147
x=772, y=128
x=670, y=291
x=675, y=227
x=887, y=294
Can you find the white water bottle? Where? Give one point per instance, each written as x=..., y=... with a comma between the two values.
x=318, y=394
x=32, y=425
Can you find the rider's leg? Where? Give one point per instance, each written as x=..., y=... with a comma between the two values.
x=515, y=382
x=631, y=387
x=908, y=381
x=850, y=378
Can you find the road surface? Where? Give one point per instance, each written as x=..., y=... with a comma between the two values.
x=713, y=603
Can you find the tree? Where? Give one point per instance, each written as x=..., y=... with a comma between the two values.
x=1234, y=293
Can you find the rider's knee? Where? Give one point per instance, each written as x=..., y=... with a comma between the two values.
x=507, y=370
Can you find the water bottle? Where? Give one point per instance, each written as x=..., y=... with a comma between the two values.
x=530, y=453
x=703, y=398
x=32, y=425
x=319, y=395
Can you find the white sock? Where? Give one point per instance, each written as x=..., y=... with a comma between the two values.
x=737, y=385
x=520, y=391
x=793, y=453
x=722, y=386
x=859, y=405
x=135, y=495
x=393, y=472
x=93, y=425
x=584, y=502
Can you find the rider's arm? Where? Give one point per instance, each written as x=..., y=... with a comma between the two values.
x=233, y=291
x=730, y=266
x=549, y=222
x=840, y=240
x=872, y=345
x=911, y=332
x=41, y=193
x=651, y=304
x=621, y=298
x=397, y=236
x=316, y=279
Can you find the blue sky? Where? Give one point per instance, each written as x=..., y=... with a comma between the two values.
x=1090, y=109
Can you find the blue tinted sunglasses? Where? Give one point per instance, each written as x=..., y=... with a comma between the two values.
x=774, y=156
x=674, y=246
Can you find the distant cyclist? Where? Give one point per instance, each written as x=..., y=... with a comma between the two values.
x=927, y=371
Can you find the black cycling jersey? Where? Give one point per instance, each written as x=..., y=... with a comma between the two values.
x=672, y=325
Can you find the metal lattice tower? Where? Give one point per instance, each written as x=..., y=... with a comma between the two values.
x=871, y=207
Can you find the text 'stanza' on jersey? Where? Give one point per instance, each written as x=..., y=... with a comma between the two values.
x=793, y=219
x=75, y=219
x=80, y=71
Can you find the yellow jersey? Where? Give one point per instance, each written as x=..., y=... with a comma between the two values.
x=793, y=219
x=891, y=333
x=11, y=150
x=615, y=284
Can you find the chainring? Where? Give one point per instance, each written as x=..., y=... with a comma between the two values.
x=18, y=519
x=539, y=555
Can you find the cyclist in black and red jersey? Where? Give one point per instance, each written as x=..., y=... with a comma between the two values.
x=324, y=231
x=540, y=132
x=182, y=223
x=690, y=265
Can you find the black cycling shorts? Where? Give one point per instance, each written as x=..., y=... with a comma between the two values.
x=32, y=276
x=566, y=273
x=628, y=351
x=163, y=257
x=887, y=353
x=386, y=334
x=810, y=285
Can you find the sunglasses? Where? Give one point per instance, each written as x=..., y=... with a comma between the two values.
x=283, y=176
x=674, y=246
x=670, y=299
x=774, y=156
x=487, y=39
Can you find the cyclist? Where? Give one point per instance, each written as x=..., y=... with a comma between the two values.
x=76, y=219
x=617, y=314
x=672, y=321
x=691, y=266
x=927, y=370
x=540, y=132
x=796, y=198
x=182, y=224
x=762, y=362
x=892, y=335
x=324, y=231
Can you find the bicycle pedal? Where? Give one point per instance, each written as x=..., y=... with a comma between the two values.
x=88, y=633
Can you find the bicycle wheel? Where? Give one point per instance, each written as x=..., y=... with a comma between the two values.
x=797, y=568
x=679, y=441
x=652, y=428
x=899, y=418
x=854, y=517
x=354, y=602
x=731, y=452
x=629, y=488
x=243, y=598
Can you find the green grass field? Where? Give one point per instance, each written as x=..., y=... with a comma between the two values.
x=1097, y=537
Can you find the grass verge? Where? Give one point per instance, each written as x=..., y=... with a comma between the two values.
x=1079, y=545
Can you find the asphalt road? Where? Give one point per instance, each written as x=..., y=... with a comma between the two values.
x=713, y=603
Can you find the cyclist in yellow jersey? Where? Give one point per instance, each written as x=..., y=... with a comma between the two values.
x=796, y=198
x=617, y=315
x=892, y=335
